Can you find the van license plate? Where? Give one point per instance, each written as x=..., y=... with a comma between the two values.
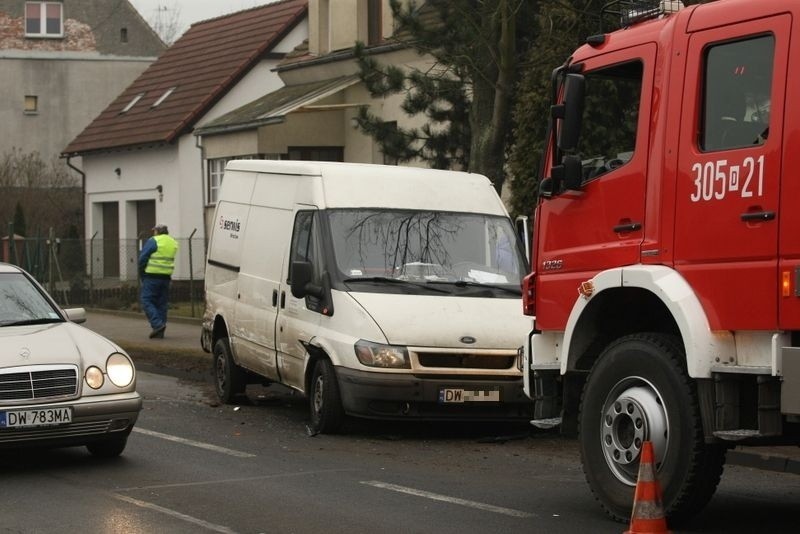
x=32, y=418
x=456, y=395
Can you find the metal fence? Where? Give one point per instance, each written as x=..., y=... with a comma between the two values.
x=102, y=272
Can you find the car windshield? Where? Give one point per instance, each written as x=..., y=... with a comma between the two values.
x=22, y=303
x=425, y=246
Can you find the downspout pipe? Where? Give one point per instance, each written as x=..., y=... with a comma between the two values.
x=83, y=187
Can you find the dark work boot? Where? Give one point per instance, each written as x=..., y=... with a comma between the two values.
x=158, y=332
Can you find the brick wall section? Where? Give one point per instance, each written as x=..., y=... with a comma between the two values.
x=78, y=37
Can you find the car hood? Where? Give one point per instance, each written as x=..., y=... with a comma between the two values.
x=447, y=322
x=58, y=343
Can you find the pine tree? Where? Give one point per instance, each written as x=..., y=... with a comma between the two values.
x=466, y=96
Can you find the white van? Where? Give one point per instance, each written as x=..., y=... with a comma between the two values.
x=377, y=291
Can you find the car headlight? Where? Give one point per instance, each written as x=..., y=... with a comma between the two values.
x=119, y=369
x=376, y=355
x=94, y=377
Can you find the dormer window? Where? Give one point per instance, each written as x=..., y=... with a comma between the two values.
x=132, y=103
x=164, y=96
x=44, y=19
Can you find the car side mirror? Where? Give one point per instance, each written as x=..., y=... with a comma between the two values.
x=75, y=315
x=302, y=272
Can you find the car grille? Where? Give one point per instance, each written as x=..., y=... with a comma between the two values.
x=38, y=383
x=465, y=361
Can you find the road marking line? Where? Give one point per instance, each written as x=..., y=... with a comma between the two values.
x=234, y=480
x=173, y=513
x=445, y=498
x=193, y=443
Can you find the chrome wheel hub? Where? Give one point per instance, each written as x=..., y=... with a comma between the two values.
x=632, y=414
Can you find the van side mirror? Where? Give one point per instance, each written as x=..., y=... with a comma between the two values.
x=570, y=112
x=521, y=224
x=301, y=274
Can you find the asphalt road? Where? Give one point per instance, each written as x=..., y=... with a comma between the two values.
x=193, y=465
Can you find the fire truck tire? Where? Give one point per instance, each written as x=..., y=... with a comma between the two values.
x=638, y=390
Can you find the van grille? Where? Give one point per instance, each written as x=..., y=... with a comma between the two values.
x=38, y=383
x=465, y=361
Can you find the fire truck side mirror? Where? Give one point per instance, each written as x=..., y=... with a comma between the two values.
x=565, y=177
x=573, y=172
x=571, y=112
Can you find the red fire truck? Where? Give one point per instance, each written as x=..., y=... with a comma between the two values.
x=665, y=279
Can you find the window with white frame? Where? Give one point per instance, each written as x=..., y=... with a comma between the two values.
x=44, y=19
x=216, y=168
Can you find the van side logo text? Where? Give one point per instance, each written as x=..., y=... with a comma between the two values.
x=231, y=225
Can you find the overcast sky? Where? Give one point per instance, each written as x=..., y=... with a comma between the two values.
x=190, y=11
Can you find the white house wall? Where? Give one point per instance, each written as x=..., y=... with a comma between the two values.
x=141, y=172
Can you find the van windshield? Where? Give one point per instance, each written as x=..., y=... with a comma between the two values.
x=464, y=249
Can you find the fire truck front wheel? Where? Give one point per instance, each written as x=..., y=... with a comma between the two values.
x=638, y=391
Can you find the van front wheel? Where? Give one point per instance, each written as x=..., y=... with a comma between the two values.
x=229, y=379
x=325, y=402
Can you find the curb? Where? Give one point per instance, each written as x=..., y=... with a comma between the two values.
x=766, y=461
x=140, y=315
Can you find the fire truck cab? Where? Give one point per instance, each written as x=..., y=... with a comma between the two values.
x=665, y=277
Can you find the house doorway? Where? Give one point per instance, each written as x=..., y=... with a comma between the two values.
x=110, y=239
x=145, y=218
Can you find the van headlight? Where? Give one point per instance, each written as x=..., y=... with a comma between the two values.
x=377, y=355
x=119, y=369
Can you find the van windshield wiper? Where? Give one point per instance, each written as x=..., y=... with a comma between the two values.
x=467, y=283
x=387, y=280
x=26, y=322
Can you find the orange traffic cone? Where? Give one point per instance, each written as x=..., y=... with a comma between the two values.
x=648, y=512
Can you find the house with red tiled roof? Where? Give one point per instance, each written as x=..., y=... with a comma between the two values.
x=141, y=161
x=312, y=117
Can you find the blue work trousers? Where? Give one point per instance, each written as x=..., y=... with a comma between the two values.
x=155, y=296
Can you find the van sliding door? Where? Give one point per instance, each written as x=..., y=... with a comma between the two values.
x=259, y=286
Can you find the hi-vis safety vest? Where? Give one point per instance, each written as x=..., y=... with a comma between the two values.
x=162, y=261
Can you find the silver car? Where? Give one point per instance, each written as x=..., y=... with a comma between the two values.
x=61, y=385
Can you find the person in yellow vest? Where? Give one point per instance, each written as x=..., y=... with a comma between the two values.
x=156, y=264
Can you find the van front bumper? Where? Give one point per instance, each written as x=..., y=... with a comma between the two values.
x=400, y=396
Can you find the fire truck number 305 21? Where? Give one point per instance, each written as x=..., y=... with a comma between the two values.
x=714, y=180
